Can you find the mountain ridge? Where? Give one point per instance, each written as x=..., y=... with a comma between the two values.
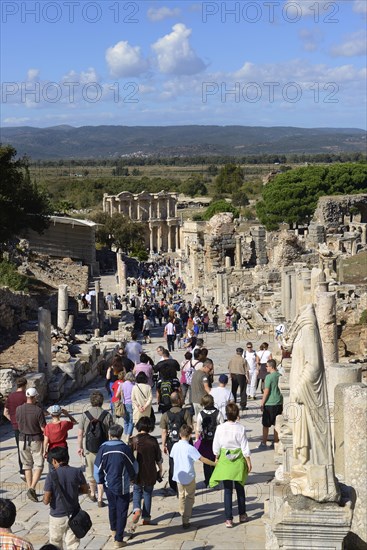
x=112, y=141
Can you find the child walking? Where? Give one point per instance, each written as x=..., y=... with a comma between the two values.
x=184, y=456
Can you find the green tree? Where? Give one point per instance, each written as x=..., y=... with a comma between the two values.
x=229, y=179
x=239, y=198
x=194, y=186
x=292, y=196
x=22, y=205
x=120, y=231
x=219, y=206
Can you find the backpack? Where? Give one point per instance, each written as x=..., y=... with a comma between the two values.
x=175, y=421
x=209, y=424
x=96, y=433
x=165, y=391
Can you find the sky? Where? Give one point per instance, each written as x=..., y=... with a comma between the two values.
x=151, y=63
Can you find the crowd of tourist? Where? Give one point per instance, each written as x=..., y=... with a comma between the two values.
x=200, y=421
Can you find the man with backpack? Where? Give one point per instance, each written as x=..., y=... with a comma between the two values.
x=93, y=431
x=167, y=384
x=170, y=424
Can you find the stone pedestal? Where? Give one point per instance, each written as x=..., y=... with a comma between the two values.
x=299, y=523
x=62, y=307
x=340, y=373
x=44, y=342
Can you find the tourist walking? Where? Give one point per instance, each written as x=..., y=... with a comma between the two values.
x=56, y=431
x=263, y=356
x=124, y=394
x=271, y=403
x=149, y=457
x=133, y=348
x=70, y=482
x=170, y=424
x=184, y=457
x=187, y=370
x=232, y=450
x=170, y=334
x=146, y=329
x=141, y=397
x=31, y=421
x=145, y=366
x=239, y=372
x=13, y=401
x=206, y=424
x=251, y=358
x=92, y=432
x=200, y=385
x=115, y=469
x=222, y=395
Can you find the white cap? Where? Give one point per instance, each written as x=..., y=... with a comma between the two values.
x=31, y=392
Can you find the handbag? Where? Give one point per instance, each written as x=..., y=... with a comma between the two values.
x=79, y=520
x=119, y=406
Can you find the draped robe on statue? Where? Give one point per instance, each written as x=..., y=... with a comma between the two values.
x=312, y=473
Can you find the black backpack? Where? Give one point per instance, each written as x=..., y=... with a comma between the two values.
x=96, y=433
x=209, y=424
x=165, y=392
x=175, y=421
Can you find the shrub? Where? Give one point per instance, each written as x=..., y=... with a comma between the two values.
x=10, y=277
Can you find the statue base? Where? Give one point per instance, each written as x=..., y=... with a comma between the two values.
x=300, y=523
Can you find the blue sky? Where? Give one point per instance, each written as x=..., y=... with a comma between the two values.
x=256, y=62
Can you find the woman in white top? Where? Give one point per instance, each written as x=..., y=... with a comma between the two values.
x=232, y=450
x=262, y=357
x=141, y=397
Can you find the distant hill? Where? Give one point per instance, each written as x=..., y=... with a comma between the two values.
x=62, y=142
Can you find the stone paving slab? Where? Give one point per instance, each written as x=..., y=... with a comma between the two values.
x=207, y=531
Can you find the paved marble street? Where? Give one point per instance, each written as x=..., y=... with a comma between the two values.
x=207, y=531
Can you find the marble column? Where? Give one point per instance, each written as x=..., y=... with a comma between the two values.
x=306, y=280
x=159, y=238
x=121, y=272
x=62, y=307
x=194, y=267
x=317, y=276
x=225, y=290
x=238, y=258
x=220, y=288
x=169, y=238
x=151, y=242
x=326, y=318
x=44, y=342
x=293, y=297
x=286, y=295
x=228, y=263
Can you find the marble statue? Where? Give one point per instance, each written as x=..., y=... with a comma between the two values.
x=312, y=472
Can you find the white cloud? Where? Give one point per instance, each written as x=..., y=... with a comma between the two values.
x=32, y=74
x=158, y=14
x=360, y=6
x=84, y=77
x=124, y=60
x=355, y=44
x=174, y=53
x=310, y=39
x=15, y=121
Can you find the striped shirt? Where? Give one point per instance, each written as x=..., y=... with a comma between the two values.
x=9, y=541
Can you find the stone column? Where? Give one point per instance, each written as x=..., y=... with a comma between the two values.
x=62, y=307
x=326, y=318
x=121, y=272
x=174, y=238
x=169, y=239
x=44, y=342
x=159, y=237
x=225, y=290
x=340, y=373
x=228, y=263
x=238, y=259
x=286, y=295
x=168, y=208
x=355, y=429
x=306, y=280
x=220, y=289
x=317, y=276
x=293, y=298
x=194, y=266
x=151, y=243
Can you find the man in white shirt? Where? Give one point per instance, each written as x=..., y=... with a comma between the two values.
x=250, y=356
x=222, y=395
x=170, y=333
x=133, y=349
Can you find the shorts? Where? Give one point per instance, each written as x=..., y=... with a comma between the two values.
x=270, y=413
x=89, y=466
x=32, y=455
x=197, y=408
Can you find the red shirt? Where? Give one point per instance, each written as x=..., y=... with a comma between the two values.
x=13, y=401
x=57, y=433
x=115, y=387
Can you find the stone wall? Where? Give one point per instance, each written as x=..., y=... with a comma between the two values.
x=331, y=210
x=15, y=307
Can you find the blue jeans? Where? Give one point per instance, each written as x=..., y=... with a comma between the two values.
x=228, y=491
x=128, y=419
x=118, y=506
x=143, y=492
